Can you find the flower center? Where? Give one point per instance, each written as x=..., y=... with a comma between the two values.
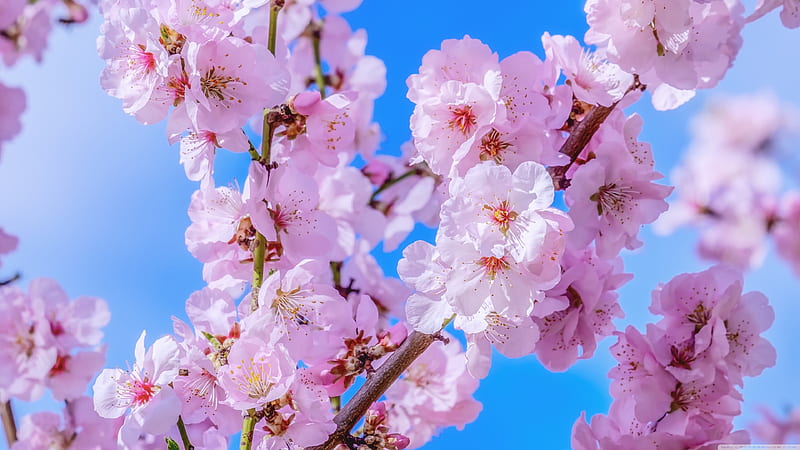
x=611, y=197
x=140, y=60
x=492, y=147
x=492, y=265
x=141, y=391
x=176, y=86
x=501, y=215
x=289, y=305
x=215, y=84
x=462, y=118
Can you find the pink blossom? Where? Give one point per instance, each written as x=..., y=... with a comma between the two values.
x=256, y=374
x=11, y=11
x=445, y=127
x=587, y=292
x=197, y=384
x=28, y=35
x=79, y=428
x=292, y=213
x=27, y=346
x=592, y=79
x=211, y=311
x=72, y=373
x=513, y=337
x=229, y=81
x=11, y=109
x=464, y=60
x=423, y=269
x=138, y=66
x=345, y=195
x=613, y=195
x=411, y=196
x=220, y=232
x=490, y=204
x=674, y=46
x=198, y=149
x=302, y=418
x=777, y=430
x=72, y=324
x=435, y=392
x=329, y=125
x=790, y=14
x=305, y=315
x=363, y=273
x=144, y=390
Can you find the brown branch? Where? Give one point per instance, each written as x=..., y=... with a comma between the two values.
x=582, y=133
x=9, y=426
x=10, y=280
x=414, y=345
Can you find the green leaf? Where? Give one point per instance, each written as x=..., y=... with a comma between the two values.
x=171, y=444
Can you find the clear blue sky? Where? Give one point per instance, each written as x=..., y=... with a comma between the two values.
x=99, y=202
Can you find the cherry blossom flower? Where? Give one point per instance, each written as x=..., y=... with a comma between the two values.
x=292, y=214
x=198, y=149
x=613, y=195
x=79, y=428
x=137, y=65
x=676, y=385
x=142, y=394
x=28, y=349
x=588, y=304
x=229, y=81
x=592, y=79
x=306, y=316
x=299, y=419
x=674, y=46
x=256, y=374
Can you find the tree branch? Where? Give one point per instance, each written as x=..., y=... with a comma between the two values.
x=582, y=133
x=9, y=426
x=414, y=345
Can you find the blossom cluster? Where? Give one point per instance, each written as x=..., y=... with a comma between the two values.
x=296, y=308
x=52, y=343
x=675, y=386
x=741, y=203
x=777, y=430
x=502, y=250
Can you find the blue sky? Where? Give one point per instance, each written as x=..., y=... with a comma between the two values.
x=99, y=202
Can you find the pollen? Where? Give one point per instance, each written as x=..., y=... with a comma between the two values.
x=493, y=265
x=462, y=119
x=492, y=147
x=501, y=215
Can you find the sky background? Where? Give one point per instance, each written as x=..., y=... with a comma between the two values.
x=99, y=203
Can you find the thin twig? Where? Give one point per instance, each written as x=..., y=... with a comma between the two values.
x=9, y=426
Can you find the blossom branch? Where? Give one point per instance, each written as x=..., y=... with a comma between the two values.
x=248, y=425
x=267, y=129
x=419, y=169
x=249, y=421
x=10, y=280
x=316, y=35
x=9, y=426
x=375, y=386
x=582, y=133
x=187, y=445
